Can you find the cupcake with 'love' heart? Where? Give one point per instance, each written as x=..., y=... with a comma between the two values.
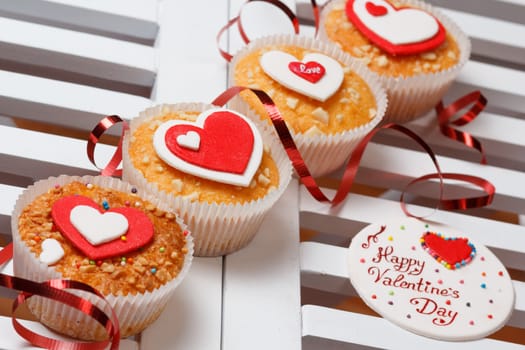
x=415, y=49
x=221, y=170
x=129, y=246
x=328, y=100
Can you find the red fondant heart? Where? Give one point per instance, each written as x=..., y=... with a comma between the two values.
x=381, y=14
x=140, y=228
x=226, y=143
x=376, y=10
x=311, y=71
x=453, y=251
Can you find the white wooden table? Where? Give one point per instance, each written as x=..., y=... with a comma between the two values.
x=68, y=63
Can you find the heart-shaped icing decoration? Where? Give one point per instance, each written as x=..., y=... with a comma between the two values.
x=70, y=213
x=52, y=251
x=319, y=85
x=97, y=227
x=376, y=10
x=452, y=252
x=311, y=71
x=398, y=31
x=229, y=148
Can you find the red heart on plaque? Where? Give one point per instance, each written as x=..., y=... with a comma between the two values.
x=454, y=252
x=69, y=221
x=311, y=71
x=398, y=31
x=376, y=10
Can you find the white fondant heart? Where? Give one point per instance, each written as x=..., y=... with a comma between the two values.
x=96, y=227
x=52, y=251
x=237, y=179
x=397, y=25
x=190, y=140
x=276, y=65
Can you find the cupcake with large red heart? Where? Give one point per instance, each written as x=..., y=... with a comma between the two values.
x=128, y=245
x=415, y=49
x=328, y=100
x=221, y=170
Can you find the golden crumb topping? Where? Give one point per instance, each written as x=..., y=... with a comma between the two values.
x=146, y=269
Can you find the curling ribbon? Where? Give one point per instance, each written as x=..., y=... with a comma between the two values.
x=352, y=166
x=56, y=290
x=237, y=19
x=444, y=115
x=102, y=126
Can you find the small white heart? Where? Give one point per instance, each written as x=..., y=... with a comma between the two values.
x=190, y=140
x=96, y=227
x=52, y=251
x=275, y=64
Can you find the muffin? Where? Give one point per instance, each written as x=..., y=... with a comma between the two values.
x=101, y=231
x=328, y=100
x=218, y=168
x=416, y=50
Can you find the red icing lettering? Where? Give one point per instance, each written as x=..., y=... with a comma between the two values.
x=426, y=306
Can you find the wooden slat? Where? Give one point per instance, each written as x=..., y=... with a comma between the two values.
x=334, y=329
x=61, y=103
x=133, y=20
x=508, y=10
x=74, y=52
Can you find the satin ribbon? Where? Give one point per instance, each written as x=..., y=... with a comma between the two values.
x=237, y=19
x=94, y=137
x=352, y=166
x=444, y=115
x=56, y=290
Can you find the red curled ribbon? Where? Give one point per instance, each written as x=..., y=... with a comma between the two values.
x=237, y=19
x=352, y=166
x=56, y=290
x=102, y=126
x=444, y=115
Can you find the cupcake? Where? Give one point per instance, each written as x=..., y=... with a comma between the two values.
x=328, y=100
x=217, y=167
x=130, y=247
x=414, y=48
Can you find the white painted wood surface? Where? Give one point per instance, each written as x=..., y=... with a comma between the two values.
x=120, y=56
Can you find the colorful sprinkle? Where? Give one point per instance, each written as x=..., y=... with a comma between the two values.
x=186, y=232
x=461, y=282
x=129, y=260
x=390, y=238
x=91, y=262
x=413, y=247
x=468, y=304
x=402, y=227
x=391, y=292
x=153, y=270
x=448, y=302
x=484, y=274
x=133, y=190
x=137, y=204
x=482, y=258
x=374, y=296
x=491, y=301
x=436, y=270
x=123, y=262
x=490, y=317
x=390, y=302
x=409, y=316
x=89, y=186
x=105, y=204
x=99, y=262
x=123, y=238
x=127, y=203
x=57, y=186
x=500, y=273
x=471, y=323
x=440, y=281
x=162, y=249
x=362, y=260
x=483, y=285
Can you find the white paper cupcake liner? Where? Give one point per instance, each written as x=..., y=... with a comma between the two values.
x=315, y=148
x=412, y=97
x=217, y=229
x=134, y=312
